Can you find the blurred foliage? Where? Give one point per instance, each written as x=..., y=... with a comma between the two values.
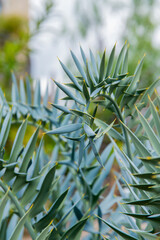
x=14, y=50
x=15, y=36
x=140, y=31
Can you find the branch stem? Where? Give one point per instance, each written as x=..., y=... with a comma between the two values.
x=119, y=114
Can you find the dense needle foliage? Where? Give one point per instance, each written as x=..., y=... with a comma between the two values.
x=66, y=192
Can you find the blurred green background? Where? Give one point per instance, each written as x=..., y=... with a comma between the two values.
x=96, y=24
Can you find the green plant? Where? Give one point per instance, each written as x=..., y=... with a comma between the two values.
x=14, y=43
x=119, y=93
x=73, y=179
x=142, y=173
x=27, y=179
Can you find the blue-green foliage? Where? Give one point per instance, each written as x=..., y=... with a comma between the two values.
x=58, y=195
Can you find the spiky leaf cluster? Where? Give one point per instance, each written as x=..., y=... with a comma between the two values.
x=46, y=193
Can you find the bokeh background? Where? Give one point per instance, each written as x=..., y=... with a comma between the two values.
x=34, y=32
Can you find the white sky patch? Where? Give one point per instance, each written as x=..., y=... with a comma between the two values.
x=49, y=44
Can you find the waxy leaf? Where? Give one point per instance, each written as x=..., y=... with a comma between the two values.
x=70, y=75
x=44, y=234
x=61, y=108
x=85, y=92
x=119, y=61
x=17, y=145
x=75, y=231
x=97, y=156
x=5, y=130
x=16, y=93
x=150, y=133
x=3, y=202
x=112, y=132
x=83, y=55
x=69, y=93
x=155, y=115
x=28, y=151
x=22, y=92
x=79, y=67
x=20, y=225
x=102, y=67
x=66, y=129
x=110, y=62
x=43, y=222
x=146, y=235
x=93, y=63
x=119, y=231
x=43, y=192
x=90, y=133
x=29, y=93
